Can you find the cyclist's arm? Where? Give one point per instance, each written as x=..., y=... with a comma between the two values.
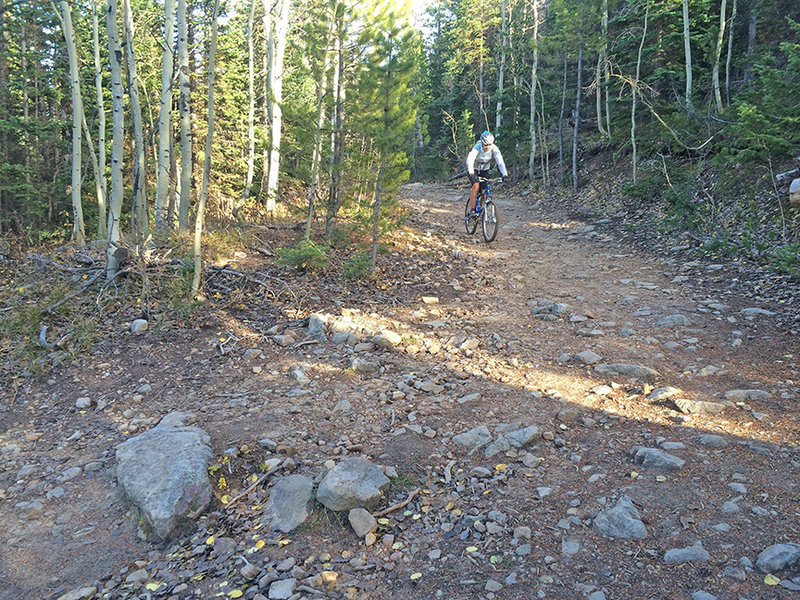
x=498, y=158
x=473, y=154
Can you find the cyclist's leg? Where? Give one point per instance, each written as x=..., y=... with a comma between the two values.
x=483, y=175
x=473, y=195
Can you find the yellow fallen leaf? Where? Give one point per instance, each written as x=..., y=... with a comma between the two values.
x=472, y=548
x=457, y=512
x=254, y=478
x=771, y=580
x=236, y=593
x=449, y=506
x=225, y=499
x=383, y=521
x=416, y=517
x=284, y=542
x=153, y=586
x=634, y=474
x=500, y=468
x=397, y=545
x=210, y=540
x=415, y=576
x=260, y=544
x=426, y=509
x=494, y=559
x=660, y=478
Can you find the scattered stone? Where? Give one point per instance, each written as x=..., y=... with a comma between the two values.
x=83, y=403
x=587, y=357
x=701, y=595
x=654, y=458
x=754, y=312
x=690, y=554
x=387, y=340
x=523, y=438
x=663, y=393
x=354, y=482
x=362, y=521
x=83, y=593
x=287, y=507
x=493, y=586
x=746, y=395
x=164, y=473
x=673, y=321
x=360, y=365
x=138, y=326
x=698, y=407
x=475, y=438
x=282, y=589
x=475, y=396
x=621, y=521
x=778, y=557
x=626, y=370
x=712, y=441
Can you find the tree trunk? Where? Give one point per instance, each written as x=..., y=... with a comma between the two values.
x=534, y=84
x=78, y=229
x=165, y=115
x=201, y=205
x=730, y=55
x=316, y=157
x=751, y=42
x=185, y=110
x=723, y=10
x=251, y=107
x=498, y=118
x=688, y=52
x=635, y=91
x=281, y=27
x=139, y=174
x=118, y=140
x=334, y=190
x=606, y=68
x=102, y=193
x=577, y=115
x=561, y=173
x=267, y=106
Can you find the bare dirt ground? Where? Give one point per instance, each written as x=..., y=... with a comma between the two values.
x=490, y=337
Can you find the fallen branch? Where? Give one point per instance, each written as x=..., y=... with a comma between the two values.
x=395, y=507
x=253, y=486
x=85, y=287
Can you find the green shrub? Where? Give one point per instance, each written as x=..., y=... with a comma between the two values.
x=305, y=255
x=358, y=267
x=787, y=260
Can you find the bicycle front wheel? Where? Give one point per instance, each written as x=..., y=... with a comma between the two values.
x=470, y=222
x=489, y=221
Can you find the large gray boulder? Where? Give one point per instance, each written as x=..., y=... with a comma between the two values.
x=778, y=557
x=353, y=483
x=163, y=472
x=287, y=507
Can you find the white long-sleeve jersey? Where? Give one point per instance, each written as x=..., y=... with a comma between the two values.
x=479, y=160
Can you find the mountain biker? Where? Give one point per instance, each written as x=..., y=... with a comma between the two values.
x=478, y=161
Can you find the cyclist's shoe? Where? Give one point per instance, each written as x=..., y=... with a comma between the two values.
x=472, y=214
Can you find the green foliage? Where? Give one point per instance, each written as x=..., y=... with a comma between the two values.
x=358, y=267
x=787, y=260
x=305, y=256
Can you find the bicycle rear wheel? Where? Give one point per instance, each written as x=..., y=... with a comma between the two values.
x=489, y=221
x=470, y=222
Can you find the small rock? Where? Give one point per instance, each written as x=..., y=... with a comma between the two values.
x=362, y=521
x=138, y=326
x=690, y=554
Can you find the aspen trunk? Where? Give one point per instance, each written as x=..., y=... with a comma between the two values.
x=561, y=173
x=201, y=205
x=577, y=116
x=498, y=119
x=78, y=229
x=635, y=91
x=102, y=193
x=185, y=110
x=118, y=139
x=534, y=85
x=281, y=27
x=688, y=52
x=139, y=174
x=730, y=56
x=723, y=9
x=165, y=115
x=251, y=107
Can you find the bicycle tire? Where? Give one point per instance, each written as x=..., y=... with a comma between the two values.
x=471, y=223
x=489, y=221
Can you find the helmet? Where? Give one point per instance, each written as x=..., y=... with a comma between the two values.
x=487, y=139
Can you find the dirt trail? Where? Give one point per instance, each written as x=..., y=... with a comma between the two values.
x=521, y=332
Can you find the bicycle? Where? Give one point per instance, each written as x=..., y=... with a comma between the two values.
x=485, y=210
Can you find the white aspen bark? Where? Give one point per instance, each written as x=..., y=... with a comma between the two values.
x=118, y=139
x=606, y=68
x=139, y=173
x=185, y=109
x=598, y=95
x=688, y=52
x=165, y=115
x=251, y=107
x=577, y=114
x=730, y=56
x=635, y=91
x=267, y=106
x=534, y=85
x=78, y=229
x=751, y=42
x=316, y=157
x=201, y=205
x=101, y=126
x=281, y=28
x=561, y=173
x=498, y=118
x=723, y=10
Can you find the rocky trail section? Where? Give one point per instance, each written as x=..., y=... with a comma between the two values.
x=557, y=416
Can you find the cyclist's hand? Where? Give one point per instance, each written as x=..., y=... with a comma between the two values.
x=505, y=178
